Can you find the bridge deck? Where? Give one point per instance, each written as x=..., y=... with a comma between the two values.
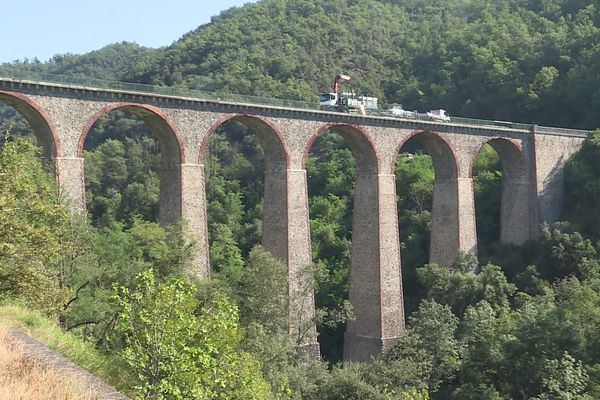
x=11, y=76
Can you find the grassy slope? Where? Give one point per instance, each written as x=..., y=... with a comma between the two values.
x=20, y=378
x=69, y=346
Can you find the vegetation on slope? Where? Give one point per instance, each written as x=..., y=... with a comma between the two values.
x=81, y=352
x=522, y=326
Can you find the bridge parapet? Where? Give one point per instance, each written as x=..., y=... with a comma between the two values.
x=549, y=130
x=11, y=77
x=533, y=158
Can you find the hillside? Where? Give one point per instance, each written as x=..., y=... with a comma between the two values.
x=496, y=59
x=518, y=322
x=109, y=62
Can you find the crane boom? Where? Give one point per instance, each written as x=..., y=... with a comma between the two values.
x=339, y=78
x=346, y=101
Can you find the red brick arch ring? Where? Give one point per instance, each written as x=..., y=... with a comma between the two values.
x=510, y=153
x=274, y=146
x=439, y=149
x=42, y=125
x=367, y=159
x=167, y=133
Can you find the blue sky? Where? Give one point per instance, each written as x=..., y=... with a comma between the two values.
x=44, y=28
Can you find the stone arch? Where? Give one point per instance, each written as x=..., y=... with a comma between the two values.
x=275, y=195
x=40, y=122
x=172, y=153
x=510, y=153
x=515, y=224
x=357, y=140
x=285, y=232
x=439, y=148
x=166, y=132
x=445, y=241
x=270, y=138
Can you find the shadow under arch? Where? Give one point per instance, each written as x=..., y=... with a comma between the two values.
x=172, y=154
x=444, y=242
x=42, y=126
x=275, y=194
x=515, y=221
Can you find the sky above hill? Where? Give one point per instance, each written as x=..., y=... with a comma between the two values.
x=41, y=29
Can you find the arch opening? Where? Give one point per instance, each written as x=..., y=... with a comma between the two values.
x=426, y=173
x=501, y=196
x=21, y=116
x=245, y=161
x=245, y=166
x=341, y=166
x=487, y=181
x=132, y=166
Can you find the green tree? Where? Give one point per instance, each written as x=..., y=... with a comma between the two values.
x=460, y=286
x=115, y=255
x=414, y=189
x=564, y=252
x=566, y=379
x=33, y=230
x=264, y=292
x=482, y=330
x=122, y=178
x=181, y=349
x=331, y=170
x=487, y=179
x=430, y=340
x=582, y=188
x=226, y=256
x=264, y=301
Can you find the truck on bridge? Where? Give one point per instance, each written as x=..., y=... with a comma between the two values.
x=346, y=101
x=396, y=110
x=350, y=103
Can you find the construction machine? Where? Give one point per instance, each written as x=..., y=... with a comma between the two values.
x=350, y=103
x=346, y=101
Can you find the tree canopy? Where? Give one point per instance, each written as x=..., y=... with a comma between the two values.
x=519, y=323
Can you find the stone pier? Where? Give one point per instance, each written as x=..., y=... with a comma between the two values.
x=532, y=158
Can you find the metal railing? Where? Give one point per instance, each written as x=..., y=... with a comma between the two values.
x=71, y=80
x=485, y=122
x=7, y=71
x=561, y=131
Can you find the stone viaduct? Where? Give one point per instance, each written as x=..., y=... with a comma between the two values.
x=532, y=160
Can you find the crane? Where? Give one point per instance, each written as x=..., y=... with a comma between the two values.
x=345, y=102
x=339, y=78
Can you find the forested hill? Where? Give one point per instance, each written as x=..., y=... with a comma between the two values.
x=518, y=322
x=519, y=60
x=112, y=62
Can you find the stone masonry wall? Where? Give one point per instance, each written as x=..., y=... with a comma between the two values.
x=532, y=189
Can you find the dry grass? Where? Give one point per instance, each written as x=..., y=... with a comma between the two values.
x=109, y=369
x=24, y=379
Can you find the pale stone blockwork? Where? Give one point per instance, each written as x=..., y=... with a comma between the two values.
x=515, y=203
x=70, y=177
x=364, y=334
x=193, y=212
x=445, y=242
x=302, y=304
x=533, y=160
x=467, y=238
x=552, y=149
